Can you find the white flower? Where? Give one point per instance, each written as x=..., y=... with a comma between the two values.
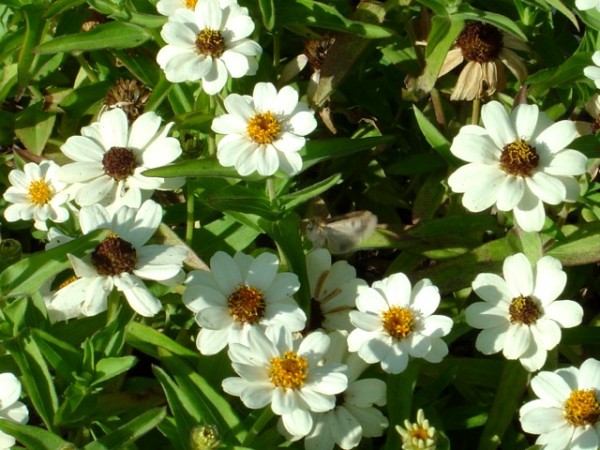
x=333, y=288
x=288, y=374
x=264, y=132
x=354, y=415
x=587, y=4
x=10, y=406
x=36, y=193
x=209, y=43
x=110, y=158
x=517, y=162
x=120, y=261
x=419, y=435
x=593, y=72
x=168, y=7
x=239, y=294
x=520, y=315
x=567, y=413
x=394, y=322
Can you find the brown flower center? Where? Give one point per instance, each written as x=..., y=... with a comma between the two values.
x=119, y=163
x=524, y=310
x=398, y=322
x=582, y=408
x=480, y=42
x=129, y=95
x=246, y=304
x=114, y=256
x=40, y=192
x=210, y=43
x=519, y=158
x=263, y=128
x=289, y=371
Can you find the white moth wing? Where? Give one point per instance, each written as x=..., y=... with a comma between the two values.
x=346, y=232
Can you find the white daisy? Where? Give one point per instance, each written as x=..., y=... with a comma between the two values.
x=288, y=374
x=239, y=294
x=264, y=132
x=520, y=315
x=593, y=72
x=36, y=193
x=110, y=158
x=419, y=435
x=517, y=162
x=333, y=289
x=209, y=44
x=567, y=413
x=354, y=415
x=10, y=406
x=587, y=4
x=120, y=261
x=168, y=7
x=394, y=322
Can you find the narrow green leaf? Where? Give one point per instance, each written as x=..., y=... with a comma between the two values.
x=198, y=168
x=33, y=126
x=141, y=64
x=435, y=138
x=232, y=233
x=129, y=432
x=560, y=7
x=437, y=6
x=241, y=199
x=107, y=35
x=320, y=150
x=63, y=357
x=33, y=437
x=582, y=246
x=291, y=201
x=61, y=5
x=568, y=72
x=26, y=276
x=530, y=244
x=267, y=10
x=138, y=334
x=467, y=12
x=34, y=32
x=108, y=368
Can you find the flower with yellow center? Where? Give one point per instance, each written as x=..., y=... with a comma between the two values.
x=208, y=42
x=36, y=193
x=395, y=321
x=517, y=162
x=239, y=294
x=487, y=51
x=566, y=414
x=419, y=435
x=291, y=375
x=520, y=315
x=265, y=132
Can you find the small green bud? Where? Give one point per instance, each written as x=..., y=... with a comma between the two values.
x=205, y=437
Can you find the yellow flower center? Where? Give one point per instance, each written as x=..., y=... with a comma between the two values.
x=190, y=4
x=40, y=192
x=210, y=43
x=582, y=408
x=289, y=371
x=524, y=310
x=246, y=304
x=480, y=42
x=398, y=321
x=519, y=158
x=263, y=128
x=419, y=433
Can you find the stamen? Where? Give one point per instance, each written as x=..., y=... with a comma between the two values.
x=119, y=163
x=524, y=310
x=582, y=408
x=263, y=128
x=519, y=158
x=398, y=322
x=210, y=43
x=246, y=304
x=289, y=371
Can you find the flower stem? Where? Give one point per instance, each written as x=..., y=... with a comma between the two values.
x=86, y=67
x=400, y=389
x=112, y=306
x=276, y=49
x=270, y=186
x=260, y=423
x=212, y=145
x=189, y=219
x=475, y=112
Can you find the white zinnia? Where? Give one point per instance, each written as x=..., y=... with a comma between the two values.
x=517, y=162
x=110, y=157
x=290, y=375
x=10, y=406
x=520, y=315
x=354, y=415
x=593, y=72
x=36, y=193
x=209, y=44
x=264, y=132
x=334, y=288
x=239, y=294
x=587, y=4
x=395, y=321
x=120, y=261
x=567, y=413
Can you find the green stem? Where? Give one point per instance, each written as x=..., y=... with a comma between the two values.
x=276, y=49
x=212, y=144
x=189, y=219
x=475, y=112
x=270, y=187
x=399, y=399
x=113, y=303
x=258, y=426
x=436, y=101
x=86, y=67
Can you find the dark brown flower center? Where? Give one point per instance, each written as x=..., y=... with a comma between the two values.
x=524, y=310
x=114, y=256
x=119, y=163
x=129, y=95
x=210, y=43
x=519, y=158
x=582, y=408
x=480, y=42
x=246, y=304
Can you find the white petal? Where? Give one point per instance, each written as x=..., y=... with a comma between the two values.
x=498, y=124
x=566, y=313
x=557, y=136
x=546, y=187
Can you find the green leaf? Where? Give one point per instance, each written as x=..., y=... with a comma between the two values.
x=108, y=368
x=34, y=32
x=26, y=276
x=569, y=71
x=291, y=201
x=147, y=339
x=435, y=138
x=560, y=7
x=107, y=35
x=33, y=437
x=197, y=168
x=129, y=432
x=195, y=120
x=317, y=151
x=467, y=12
x=267, y=10
x=241, y=199
x=63, y=357
x=33, y=126
x=437, y=6
x=231, y=233
x=582, y=246
x=61, y=5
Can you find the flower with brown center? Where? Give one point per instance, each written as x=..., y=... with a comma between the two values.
x=487, y=51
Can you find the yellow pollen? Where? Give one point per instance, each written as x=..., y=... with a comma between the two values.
x=289, y=371
x=40, y=192
x=246, y=304
x=519, y=158
x=582, y=408
x=67, y=282
x=398, y=322
x=263, y=128
x=419, y=433
x=210, y=43
x=523, y=310
x=190, y=4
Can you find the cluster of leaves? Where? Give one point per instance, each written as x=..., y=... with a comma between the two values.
x=125, y=383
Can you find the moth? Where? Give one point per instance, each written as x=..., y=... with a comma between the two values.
x=340, y=234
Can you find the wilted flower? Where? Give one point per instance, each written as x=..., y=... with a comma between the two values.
x=129, y=95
